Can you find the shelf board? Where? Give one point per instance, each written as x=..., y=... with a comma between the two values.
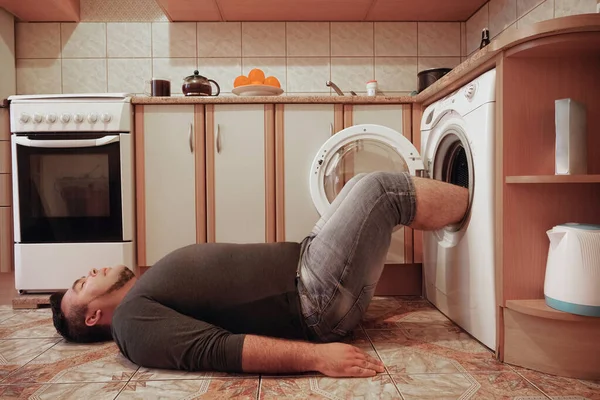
x=553, y=179
x=538, y=308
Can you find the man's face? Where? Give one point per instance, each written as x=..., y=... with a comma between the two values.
x=96, y=284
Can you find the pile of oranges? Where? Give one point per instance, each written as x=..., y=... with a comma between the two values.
x=256, y=77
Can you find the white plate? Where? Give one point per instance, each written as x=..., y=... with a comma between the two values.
x=257, y=90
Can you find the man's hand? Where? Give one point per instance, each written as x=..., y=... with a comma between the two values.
x=344, y=360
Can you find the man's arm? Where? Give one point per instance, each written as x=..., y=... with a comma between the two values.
x=267, y=355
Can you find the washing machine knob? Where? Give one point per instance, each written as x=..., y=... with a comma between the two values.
x=470, y=91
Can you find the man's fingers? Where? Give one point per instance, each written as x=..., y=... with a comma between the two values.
x=372, y=365
x=358, y=371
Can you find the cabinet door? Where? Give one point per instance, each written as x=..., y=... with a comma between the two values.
x=397, y=117
x=301, y=130
x=169, y=169
x=239, y=195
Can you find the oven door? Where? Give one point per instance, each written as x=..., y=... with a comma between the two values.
x=67, y=188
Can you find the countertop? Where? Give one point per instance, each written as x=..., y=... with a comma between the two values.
x=481, y=59
x=274, y=100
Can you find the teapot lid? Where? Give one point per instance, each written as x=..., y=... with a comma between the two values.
x=195, y=76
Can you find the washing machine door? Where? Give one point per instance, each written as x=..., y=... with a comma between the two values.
x=359, y=149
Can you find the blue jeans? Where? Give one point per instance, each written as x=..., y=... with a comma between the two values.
x=343, y=257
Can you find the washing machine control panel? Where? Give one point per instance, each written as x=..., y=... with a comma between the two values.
x=470, y=90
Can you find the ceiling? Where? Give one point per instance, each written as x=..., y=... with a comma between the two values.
x=320, y=10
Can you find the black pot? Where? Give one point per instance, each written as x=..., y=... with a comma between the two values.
x=427, y=77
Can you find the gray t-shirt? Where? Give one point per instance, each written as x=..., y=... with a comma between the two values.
x=192, y=309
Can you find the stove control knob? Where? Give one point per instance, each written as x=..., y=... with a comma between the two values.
x=470, y=91
x=106, y=118
x=51, y=118
x=92, y=118
x=37, y=118
x=24, y=118
x=65, y=118
x=78, y=118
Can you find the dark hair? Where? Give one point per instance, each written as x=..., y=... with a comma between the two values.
x=73, y=328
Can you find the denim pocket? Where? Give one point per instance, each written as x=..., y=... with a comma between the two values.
x=354, y=315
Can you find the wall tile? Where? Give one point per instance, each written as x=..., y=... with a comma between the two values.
x=129, y=74
x=219, y=39
x=437, y=62
x=275, y=66
x=84, y=76
x=352, y=39
x=439, y=38
x=222, y=70
x=475, y=25
x=307, y=38
x=352, y=73
x=308, y=74
x=562, y=8
x=30, y=73
x=121, y=11
x=84, y=40
x=396, y=74
x=395, y=38
x=129, y=39
x=174, y=39
x=503, y=13
x=37, y=40
x=174, y=69
x=463, y=38
x=542, y=12
x=263, y=39
x=524, y=6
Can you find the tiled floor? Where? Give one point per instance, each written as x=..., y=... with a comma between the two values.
x=426, y=357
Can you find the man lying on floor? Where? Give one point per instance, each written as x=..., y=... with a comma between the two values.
x=261, y=308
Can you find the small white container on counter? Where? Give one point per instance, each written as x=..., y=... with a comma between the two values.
x=571, y=137
x=372, y=88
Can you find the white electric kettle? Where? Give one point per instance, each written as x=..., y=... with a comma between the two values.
x=572, y=282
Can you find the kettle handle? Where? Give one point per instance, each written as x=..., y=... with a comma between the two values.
x=218, y=87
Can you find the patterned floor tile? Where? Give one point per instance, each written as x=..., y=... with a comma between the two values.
x=432, y=351
x=15, y=353
x=74, y=363
x=392, y=313
x=378, y=387
x=504, y=386
x=29, y=324
x=558, y=387
x=63, y=391
x=145, y=374
x=216, y=388
x=436, y=386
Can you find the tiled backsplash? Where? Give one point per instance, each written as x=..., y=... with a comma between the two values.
x=122, y=43
x=504, y=15
x=120, y=56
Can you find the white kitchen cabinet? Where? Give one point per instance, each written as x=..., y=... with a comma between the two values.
x=301, y=131
x=240, y=173
x=396, y=117
x=169, y=179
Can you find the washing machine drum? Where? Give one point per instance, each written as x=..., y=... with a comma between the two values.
x=355, y=150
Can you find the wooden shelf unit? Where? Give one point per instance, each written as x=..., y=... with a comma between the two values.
x=553, y=179
x=539, y=308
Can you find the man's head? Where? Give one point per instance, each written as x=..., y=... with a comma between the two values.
x=83, y=313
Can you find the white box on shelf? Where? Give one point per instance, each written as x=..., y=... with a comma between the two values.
x=571, y=137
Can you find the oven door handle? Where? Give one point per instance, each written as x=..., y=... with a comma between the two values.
x=103, y=141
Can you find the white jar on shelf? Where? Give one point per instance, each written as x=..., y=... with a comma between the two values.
x=372, y=88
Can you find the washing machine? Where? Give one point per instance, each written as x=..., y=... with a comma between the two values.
x=457, y=141
x=457, y=146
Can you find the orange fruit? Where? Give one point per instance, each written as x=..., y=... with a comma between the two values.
x=256, y=76
x=241, y=80
x=272, y=81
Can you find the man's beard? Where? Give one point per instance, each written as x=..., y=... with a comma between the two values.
x=125, y=276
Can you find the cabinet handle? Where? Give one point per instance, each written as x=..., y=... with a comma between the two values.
x=330, y=129
x=191, y=135
x=218, y=141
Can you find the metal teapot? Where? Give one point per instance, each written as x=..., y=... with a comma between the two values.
x=198, y=85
